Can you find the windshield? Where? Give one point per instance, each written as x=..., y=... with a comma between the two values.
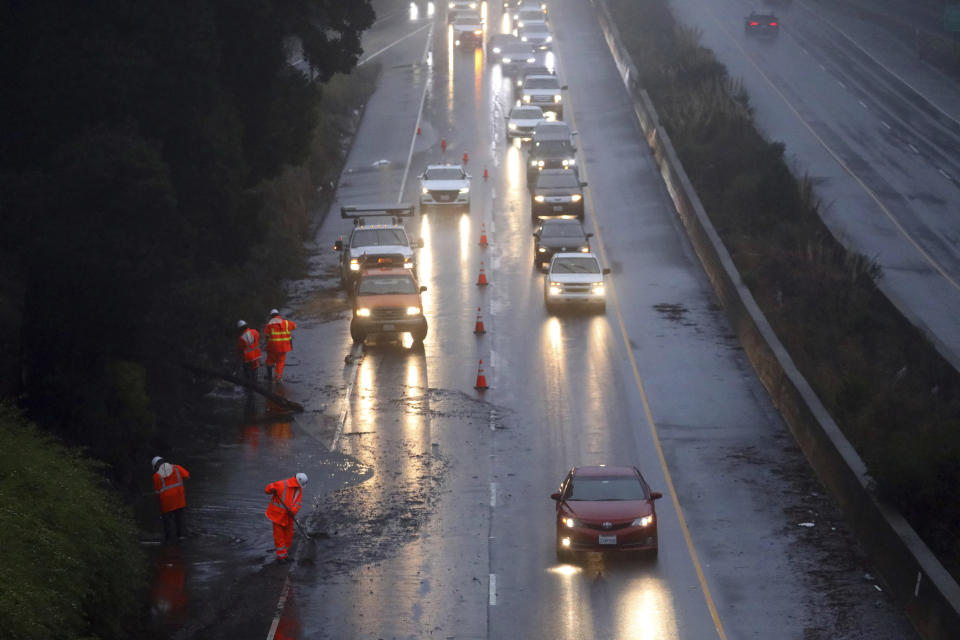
x=561, y=230
x=385, y=285
x=575, y=265
x=531, y=15
x=378, y=237
x=538, y=30
x=444, y=173
x=541, y=83
x=527, y=113
x=558, y=180
x=554, y=147
x=605, y=489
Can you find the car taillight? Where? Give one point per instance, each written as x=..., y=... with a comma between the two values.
x=773, y=24
x=754, y=24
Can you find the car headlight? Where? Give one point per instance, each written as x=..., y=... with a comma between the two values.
x=451, y=5
x=507, y=60
x=424, y=190
x=354, y=264
x=554, y=289
x=526, y=99
x=473, y=5
x=512, y=126
x=542, y=249
x=565, y=163
x=576, y=197
x=538, y=198
x=407, y=264
x=520, y=24
x=570, y=522
x=533, y=163
x=478, y=32
x=549, y=39
x=523, y=39
x=540, y=163
x=645, y=521
x=464, y=189
x=584, y=249
x=531, y=60
x=557, y=98
x=363, y=312
x=496, y=49
x=598, y=289
x=413, y=311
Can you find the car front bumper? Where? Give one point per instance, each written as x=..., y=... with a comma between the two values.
x=445, y=199
x=590, y=539
x=412, y=324
x=557, y=209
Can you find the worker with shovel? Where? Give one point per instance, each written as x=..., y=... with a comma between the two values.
x=285, y=496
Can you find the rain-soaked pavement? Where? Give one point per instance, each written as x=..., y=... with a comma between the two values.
x=428, y=501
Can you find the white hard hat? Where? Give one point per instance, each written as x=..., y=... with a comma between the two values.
x=156, y=460
x=274, y=312
x=302, y=479
x=241, y=324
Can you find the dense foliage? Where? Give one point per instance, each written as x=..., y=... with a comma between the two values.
x=70, y=564
x=895, y=398
x=140, y=148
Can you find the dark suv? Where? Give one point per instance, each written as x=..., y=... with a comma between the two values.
x=550, y=154
x=557, y=193
x=558, y=236
x=763, y=24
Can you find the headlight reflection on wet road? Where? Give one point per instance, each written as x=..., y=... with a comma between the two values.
x=646, y=611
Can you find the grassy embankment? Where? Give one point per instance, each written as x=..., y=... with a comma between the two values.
x=70, y=562
x=895, y=398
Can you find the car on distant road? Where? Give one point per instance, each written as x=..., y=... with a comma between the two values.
x=557, y=193
x=558, y=235
x=550, y=154
x=467, y=29
x=605, y=508
x=445, y=185
x=575, y=279
x=457, y=7
x=762, y=24
x=544, y=92
x=537, y=36
x=553, y=130
x=387, y=300
x=522, y=120
x=529, y=13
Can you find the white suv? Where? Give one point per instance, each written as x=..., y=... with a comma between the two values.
x=445, y=185
x=543, y=92
x=575, y=279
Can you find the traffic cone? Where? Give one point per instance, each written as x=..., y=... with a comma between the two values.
x=478, y=328
x=482, y=280
x=483, y=235
x=418, y=130
x=466, y=158
x=485, y=174
x=443, y=145
x=481, y=379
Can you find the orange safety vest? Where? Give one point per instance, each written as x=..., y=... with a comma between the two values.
x=286, y=493
x=249, y=345
x=169, y=487
x=278, y=334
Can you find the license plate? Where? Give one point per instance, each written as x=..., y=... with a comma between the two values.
x=390, y=327
x=444, y=198
x=608, y=540
x=558, y=207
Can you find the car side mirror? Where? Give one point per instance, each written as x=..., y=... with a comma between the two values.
x=536, y=234
x=555, y=496
x=573, y=133
x=422, y=288
x=655, y=495
x=338, y=245
x=563, y=88
x=467, y=177
x=420, y=176
x=589, y=235
x=419, y=243
x=606, y=270
x=584, y=184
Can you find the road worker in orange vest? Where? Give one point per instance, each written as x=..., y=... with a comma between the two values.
x=285, y=496
x=248, y=344
x=168, y=484
x=279, y=344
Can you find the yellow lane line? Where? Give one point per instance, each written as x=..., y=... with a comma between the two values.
x=588, y=201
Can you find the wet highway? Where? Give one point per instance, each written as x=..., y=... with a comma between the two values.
x=877, y=131
x=433, y=497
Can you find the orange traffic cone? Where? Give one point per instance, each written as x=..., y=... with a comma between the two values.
x=482, y=280
x=481, y=379
x=443, y=145
x=466, y=158
x=478, y=328
x=418, y=130
x=485, y=174
x=483, y=235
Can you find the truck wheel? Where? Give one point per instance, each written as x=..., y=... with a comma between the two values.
x=420, y=334
x=357, y=334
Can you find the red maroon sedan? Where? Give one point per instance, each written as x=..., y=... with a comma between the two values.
x=605, y=509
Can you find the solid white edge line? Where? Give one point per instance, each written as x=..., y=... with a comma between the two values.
x=423, y=99
x=394, y=43
x=493, y=589
x=493, y=494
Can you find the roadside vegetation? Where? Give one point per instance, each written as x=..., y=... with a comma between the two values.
x=70, y=562
x=895, y=398
x=160, y=168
